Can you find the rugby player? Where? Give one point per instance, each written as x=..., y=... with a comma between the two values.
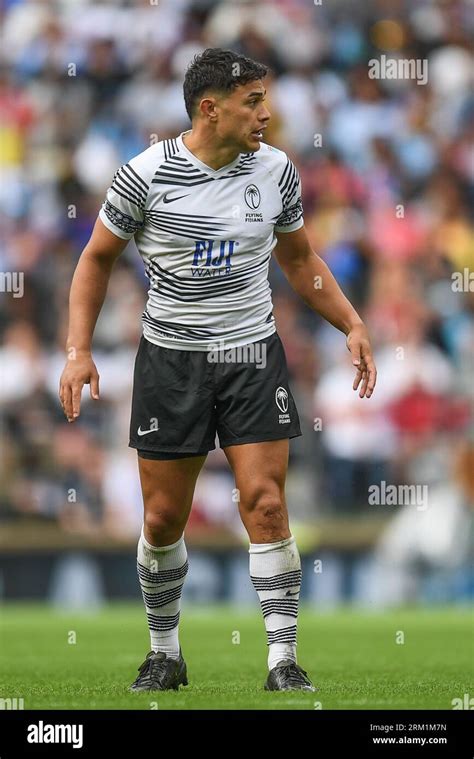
x=207, y=209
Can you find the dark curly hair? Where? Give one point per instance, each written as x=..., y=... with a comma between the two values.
x=220, y=71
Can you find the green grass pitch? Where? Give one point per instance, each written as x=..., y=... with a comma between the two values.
x=353, y=657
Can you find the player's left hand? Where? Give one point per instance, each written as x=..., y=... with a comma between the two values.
x=358, y=342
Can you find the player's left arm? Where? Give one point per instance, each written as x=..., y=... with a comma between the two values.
x=311, y=278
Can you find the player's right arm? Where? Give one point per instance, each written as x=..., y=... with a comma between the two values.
x=87, y=295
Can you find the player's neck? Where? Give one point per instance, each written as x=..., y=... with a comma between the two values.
x=205, y=148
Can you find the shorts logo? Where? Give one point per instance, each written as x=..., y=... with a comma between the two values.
x=154, y=427
x=281, y=399
x=141, y=432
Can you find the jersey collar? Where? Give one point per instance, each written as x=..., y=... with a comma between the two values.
x=203, y=166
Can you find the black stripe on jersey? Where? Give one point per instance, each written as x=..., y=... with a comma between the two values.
x=193, y=217
x=202, y=288
x=176, y=172
x=183, y=182
x=190, y=283
x=122, y=187
x=125, y=183
x=170, y=147
x=137, y=177
x=126, y=196
x=288, y=182
x=236, y=173
x=167, y=289
x=127, y=177
x=286, y=176
x=179, y=171
x=177, y=180
x=289, y=196
x=181, y=165
x=245, y=158
x=179, y=168
x=245, y=163
x=179, y=225
x=174, y=328
x=165, y=331
x=179, y=158
x=292, y=205
x=167, y=292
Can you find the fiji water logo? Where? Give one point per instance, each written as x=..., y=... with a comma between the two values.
x=212, y=258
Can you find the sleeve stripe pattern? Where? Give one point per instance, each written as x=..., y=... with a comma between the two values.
x=290, y=188
x=288, y=183
x=129, y=185
x=120, y=219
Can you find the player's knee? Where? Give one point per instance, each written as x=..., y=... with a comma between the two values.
x=264, y=504
x=265, y=517
x=163, y=525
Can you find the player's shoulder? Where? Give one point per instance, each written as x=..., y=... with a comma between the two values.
x=147, y=162
x=273, y=159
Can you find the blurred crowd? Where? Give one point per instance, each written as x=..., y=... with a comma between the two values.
x=387, y=168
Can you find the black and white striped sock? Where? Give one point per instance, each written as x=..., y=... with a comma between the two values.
x=161, y=572
x=275, y=571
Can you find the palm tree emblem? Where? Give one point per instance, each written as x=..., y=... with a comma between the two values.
x=281, y=399
x=252, y=196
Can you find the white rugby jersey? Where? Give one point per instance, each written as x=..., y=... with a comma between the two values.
x=206, y=238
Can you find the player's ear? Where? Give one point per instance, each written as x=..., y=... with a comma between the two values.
x=207, y=107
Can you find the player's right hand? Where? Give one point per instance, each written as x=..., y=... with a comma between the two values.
x=79, y=371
